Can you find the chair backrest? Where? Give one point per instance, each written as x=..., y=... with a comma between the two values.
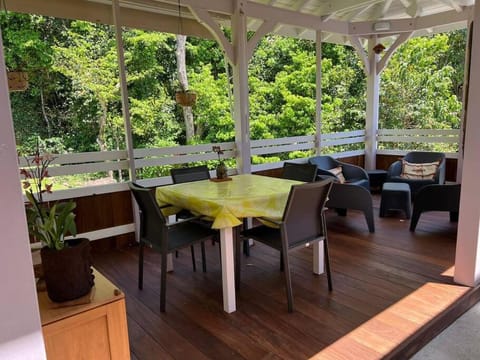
x=152, y=221
x=300, y=172
x=324, y=162
x=188, y=174
x=420, y=157
x=438, y=198
x=302, y=218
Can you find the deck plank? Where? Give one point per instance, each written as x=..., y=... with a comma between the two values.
x=388, y=287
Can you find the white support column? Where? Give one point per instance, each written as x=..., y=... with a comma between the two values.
x=466, y=80
x=123, y=89
x=318, y=92
x=20, y=329
x=126, y=110
x=371, y=126
x=240, y=87
x=467, y=259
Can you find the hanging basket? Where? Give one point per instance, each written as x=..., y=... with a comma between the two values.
x=186, y=98
x=17, y=80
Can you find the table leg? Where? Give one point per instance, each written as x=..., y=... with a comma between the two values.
x=228, y=269
x=318, y=258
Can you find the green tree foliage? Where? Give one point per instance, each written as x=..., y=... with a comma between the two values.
x=417, y=88
x=74, y=96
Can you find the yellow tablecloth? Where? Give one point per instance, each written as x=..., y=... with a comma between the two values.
x=227, y=202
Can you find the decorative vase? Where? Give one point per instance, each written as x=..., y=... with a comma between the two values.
x=186, y=98
x=221, y=171
x=68, y=273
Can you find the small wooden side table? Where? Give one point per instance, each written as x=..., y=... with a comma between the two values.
x=97, y=330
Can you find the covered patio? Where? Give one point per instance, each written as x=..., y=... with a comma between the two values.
x=393, y=290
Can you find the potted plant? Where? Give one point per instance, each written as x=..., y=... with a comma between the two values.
x=221, y=167
x=17, y=80
x=185, y=97
x=66, y=263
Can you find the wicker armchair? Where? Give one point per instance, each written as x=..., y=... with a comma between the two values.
x=418, y=157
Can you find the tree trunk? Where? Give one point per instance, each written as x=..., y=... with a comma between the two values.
x=101, y=131
x=183, y=80
x=44, y=113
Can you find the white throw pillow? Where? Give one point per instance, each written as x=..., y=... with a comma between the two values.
x=338, y=173
x=423, y=171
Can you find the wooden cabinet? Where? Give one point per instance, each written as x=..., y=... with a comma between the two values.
x=97, y=330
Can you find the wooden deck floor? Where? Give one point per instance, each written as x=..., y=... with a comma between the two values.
x=393, y=291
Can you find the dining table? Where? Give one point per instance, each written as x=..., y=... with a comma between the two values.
x=226, y=203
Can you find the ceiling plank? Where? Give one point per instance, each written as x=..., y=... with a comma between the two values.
x=453, y=4
x=102, y=13
x=345, y=6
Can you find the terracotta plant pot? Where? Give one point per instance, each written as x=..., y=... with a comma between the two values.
x=186, y=98
x=68, y=272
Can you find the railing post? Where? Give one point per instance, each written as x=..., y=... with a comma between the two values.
x=371, y=126
x=240, y=88
x=318, y=92
x=125, y=109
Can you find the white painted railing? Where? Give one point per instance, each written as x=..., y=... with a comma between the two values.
x=155, y=157
x=335, y=144
x=421, y=139
x=329, y=143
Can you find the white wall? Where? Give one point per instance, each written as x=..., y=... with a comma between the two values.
x=20, y=330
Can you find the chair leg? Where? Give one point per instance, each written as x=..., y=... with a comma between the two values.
x=192, y=250
x=246, y=242
x=326, y=254
x=246, y=247
x=414, y=219
x=341, y=212
x=454, y=216
x=204, y=263
x=369, y=218
x=282, y=267
x=163, y=282
x=288, y=282
x=238, y=255
x=140, y=265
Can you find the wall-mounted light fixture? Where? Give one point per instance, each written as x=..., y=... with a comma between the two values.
x=381, y=26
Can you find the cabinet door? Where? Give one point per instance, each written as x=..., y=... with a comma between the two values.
x=100, y=333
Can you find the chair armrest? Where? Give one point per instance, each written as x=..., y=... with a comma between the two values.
x=395, y=169
x=351, y=171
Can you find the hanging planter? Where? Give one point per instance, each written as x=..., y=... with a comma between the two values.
x=186, y=97
x=378, y=49
x=17, y=80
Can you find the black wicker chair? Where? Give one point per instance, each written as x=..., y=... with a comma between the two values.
x=436, y=198
x=353, y=174
x=162, y=237
x=303, y=222
x=353, y=194
x=300, y=172
x=418, y=157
